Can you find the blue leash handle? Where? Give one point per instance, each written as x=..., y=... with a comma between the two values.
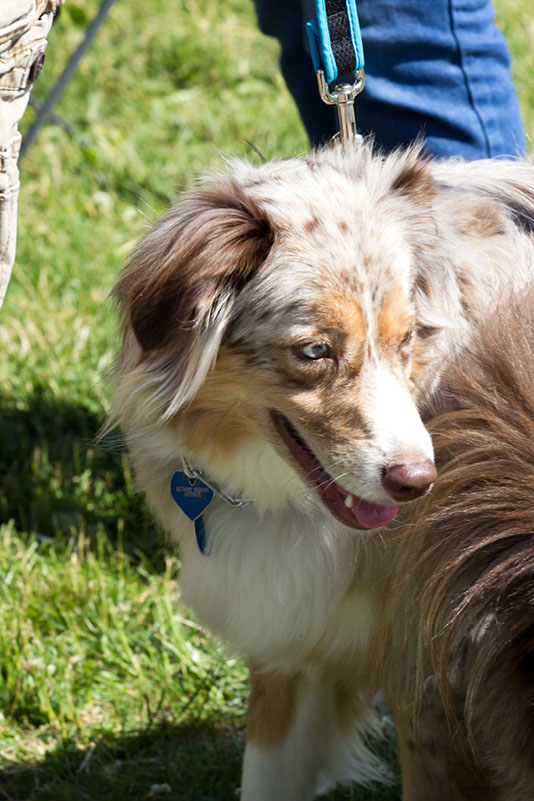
x=335, y=39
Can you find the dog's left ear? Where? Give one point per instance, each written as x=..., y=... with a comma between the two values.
x=194, y=261
x=178, y=290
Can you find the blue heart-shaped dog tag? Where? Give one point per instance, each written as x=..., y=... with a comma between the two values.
x=193, y=497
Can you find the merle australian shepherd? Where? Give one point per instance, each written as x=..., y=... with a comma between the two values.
x=282, y=329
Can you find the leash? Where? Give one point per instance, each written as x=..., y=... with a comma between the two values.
x=337, y=51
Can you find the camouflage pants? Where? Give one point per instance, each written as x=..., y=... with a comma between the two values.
x=24, y=26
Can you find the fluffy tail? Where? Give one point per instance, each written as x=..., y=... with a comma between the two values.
x=472, y=545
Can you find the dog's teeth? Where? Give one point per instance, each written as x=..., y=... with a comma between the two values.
x=348, y=501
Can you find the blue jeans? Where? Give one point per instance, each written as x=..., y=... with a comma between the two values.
x=439, y=69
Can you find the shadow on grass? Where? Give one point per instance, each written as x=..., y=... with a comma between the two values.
x=167, y=762
x=178, y=763
x=55, y=482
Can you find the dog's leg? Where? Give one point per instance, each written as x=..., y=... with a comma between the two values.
x=283, y=733
x=433, y=759
x=422, y=755
x=302, y=737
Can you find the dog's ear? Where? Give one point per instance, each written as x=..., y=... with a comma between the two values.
x=189, y=268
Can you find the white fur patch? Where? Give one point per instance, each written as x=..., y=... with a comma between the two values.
x=394, y=419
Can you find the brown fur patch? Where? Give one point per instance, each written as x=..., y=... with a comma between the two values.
x=272, y=707
x=415, y=179
x=350, y=703
x=395, y=319
x=482, y=220
x=432, y=767
x=221, y=416
x=311, y=225
x=343, y=315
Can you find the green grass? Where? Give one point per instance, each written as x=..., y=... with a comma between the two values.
x=109, y=690
x=103, y=673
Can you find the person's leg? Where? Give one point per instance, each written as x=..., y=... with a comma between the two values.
x=23, y=30
x=285, y=20
x=440, y=70
x=443, y=69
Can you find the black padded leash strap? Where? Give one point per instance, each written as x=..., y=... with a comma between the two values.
x=340, y=36
x=337, y=51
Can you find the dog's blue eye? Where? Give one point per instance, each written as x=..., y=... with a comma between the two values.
x=315, y=350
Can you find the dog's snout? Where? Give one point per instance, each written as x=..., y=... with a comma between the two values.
x=407, y=481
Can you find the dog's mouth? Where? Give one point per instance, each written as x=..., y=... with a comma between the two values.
x=347, y=508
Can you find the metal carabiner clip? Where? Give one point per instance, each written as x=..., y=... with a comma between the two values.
x=343, y=97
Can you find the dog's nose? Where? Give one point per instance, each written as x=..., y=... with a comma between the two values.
x=404, y=482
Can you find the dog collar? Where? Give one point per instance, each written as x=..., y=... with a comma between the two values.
x=193, y=493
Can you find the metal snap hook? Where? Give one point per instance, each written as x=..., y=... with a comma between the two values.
x=343, y=97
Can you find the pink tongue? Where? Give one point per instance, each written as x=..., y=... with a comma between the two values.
x=370, y=515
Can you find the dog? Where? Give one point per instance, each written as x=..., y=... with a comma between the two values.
x=458, y=661
x=282, y=329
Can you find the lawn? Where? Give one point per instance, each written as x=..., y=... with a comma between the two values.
x=109, y=688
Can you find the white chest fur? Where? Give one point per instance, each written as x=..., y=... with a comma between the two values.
x=280, y=587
